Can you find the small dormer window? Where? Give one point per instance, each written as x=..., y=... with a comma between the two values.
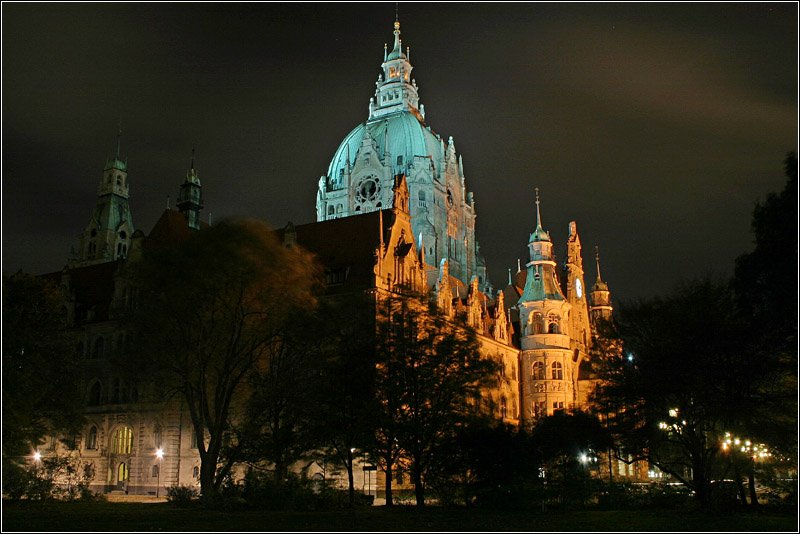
x=119, y=180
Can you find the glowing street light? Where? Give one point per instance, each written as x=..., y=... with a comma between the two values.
x=583, y=458
x=37, y=456
x=160, y=456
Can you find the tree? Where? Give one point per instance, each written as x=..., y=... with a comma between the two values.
x=682, y=383
x=40, y=381
x=567, y=444
x=765, y=285
x=209, y=310
x=277, y=424
x=343, y=395
x=429, y=379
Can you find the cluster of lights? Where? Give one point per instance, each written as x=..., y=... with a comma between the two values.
x=586, y=458
x=655, y=474
x=756, y=450
x=677, y=426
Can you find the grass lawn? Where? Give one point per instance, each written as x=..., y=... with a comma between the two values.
x=163, y=517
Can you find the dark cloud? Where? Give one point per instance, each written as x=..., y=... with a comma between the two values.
x=655, y=126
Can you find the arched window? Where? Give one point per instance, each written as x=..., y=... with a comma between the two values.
x=154, y=472
x=552, y=326
x=503, y=407
x=117, y=388
x=91, y=438
x=331, y=209
x=99, y=347
x=537, y=371
x=94, y=394
x=157, y=436
x=422, y=200
x=196, y=472
x=558, y=372
x=122, y=472
x=538, y=323
x=122, y=441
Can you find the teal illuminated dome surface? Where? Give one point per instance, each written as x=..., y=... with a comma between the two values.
x=409, y=140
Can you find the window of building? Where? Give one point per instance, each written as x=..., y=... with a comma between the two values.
x=196, y=472
x=154, y=471
x=537, y=371
x=552, y=326
x=558, y=406
x=423, y=201
x=122, y=472
x=538, y=409
x=157, y=436
x=122, y=441
x=557, y=371
x=91, y=438
x=399, y=477
x=503, y=407
x=399, y=160
x=94, y=394
x=116, y=391
x=193, y=442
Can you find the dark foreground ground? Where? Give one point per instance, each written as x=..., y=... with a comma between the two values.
x=121, y=517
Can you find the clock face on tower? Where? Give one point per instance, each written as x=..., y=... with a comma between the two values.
x=578, y=288
x=368, y=191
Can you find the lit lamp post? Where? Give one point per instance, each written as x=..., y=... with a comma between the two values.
x=37, y=457
x=160, y=456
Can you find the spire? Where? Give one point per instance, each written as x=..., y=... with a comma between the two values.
x=519, y=267
x=509, y=277
x=397, y=49
x=538, y=214
x=119, y=135
x=597, y=261
x=192, y=163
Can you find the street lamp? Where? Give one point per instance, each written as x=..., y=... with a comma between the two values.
x=37, y=456
x=160, y=456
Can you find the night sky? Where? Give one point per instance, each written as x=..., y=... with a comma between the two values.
x=656, y=127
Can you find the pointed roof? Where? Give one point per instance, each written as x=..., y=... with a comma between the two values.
x=599, y=284
x=539, y=234
x=397, y=50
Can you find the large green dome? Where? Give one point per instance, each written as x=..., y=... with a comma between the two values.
x=408, y=137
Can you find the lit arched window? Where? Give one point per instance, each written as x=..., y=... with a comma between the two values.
x=91, y=438
x=558, y=372
x=537, y=371
x=196, y=472
x=122, y=441
x=122, y=472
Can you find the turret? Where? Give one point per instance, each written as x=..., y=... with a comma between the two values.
x=395, y=89
x=108, y=234
x=190, y=197
x=600, y=309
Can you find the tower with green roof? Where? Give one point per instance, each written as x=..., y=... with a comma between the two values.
x=107, y=237
x=190, y=197
x=548, y=370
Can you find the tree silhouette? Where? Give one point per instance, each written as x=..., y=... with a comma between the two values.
x=210, y=310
